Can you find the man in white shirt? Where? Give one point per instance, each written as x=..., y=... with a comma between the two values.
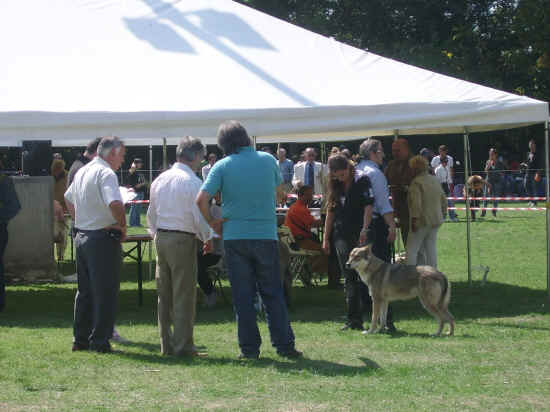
x=212, y=158
x=175, y=222
x=310, y=173
x=443, y=169
x=95, y=204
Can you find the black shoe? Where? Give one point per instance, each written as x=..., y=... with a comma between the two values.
x=390, y=328
x=79, y=347
x=291, y=354
x=348, y=326
x=243, y=356
x=102, y=349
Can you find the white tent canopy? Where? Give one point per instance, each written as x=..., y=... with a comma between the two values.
x=147, y=69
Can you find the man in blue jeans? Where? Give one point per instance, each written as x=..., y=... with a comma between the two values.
x=248, y=181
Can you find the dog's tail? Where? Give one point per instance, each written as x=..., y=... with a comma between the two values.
x=445, y=292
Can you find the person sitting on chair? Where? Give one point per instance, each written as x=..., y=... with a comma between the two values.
x=205, y=260
x=300, y=221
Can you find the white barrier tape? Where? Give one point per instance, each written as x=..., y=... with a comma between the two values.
x=449, y=198
x=499, y=208
x=498, y=198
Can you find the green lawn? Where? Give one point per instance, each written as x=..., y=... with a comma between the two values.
x=498, y=359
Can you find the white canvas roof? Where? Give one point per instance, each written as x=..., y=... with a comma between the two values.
x=72, y=70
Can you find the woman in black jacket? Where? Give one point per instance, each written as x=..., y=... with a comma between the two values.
x=349, y=213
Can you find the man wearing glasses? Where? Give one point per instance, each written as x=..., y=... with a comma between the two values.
x=381, y=231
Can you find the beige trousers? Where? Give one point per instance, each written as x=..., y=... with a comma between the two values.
x=176, y=278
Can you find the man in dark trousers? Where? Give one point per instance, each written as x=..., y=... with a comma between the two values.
x=248, y=181
x=382, y=229
x=95, y=204
x=9, y=207
x=533, y=167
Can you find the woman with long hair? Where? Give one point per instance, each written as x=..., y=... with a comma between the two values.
x=349, y=213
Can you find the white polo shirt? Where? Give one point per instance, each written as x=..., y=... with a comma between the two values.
x=94, y=188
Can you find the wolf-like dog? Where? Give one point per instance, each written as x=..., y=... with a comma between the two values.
x=388, y=282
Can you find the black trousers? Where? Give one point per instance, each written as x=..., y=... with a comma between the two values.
x=203, y=263
x=3, y=244
x=356, y=292
x=98, y=263
x=378, y=235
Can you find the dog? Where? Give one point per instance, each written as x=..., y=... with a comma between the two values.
x=388, y=282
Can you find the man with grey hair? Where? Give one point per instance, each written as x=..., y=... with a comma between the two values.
x=175, y=222
x=95, y=204
x=381, y=232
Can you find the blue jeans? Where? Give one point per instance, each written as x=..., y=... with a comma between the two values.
x=253, y=265
x=496, y=192
x=450, y=203
x=135, y=211
x=532, y=188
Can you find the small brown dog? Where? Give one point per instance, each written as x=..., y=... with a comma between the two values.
x=388, y=282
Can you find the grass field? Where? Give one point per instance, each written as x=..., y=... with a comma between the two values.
x=498, y=359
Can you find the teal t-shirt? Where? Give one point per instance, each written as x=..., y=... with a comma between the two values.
x=247, y=181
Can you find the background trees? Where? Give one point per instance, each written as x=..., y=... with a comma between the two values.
x=499, y=43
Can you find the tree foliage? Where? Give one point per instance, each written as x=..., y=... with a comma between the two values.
x=499, y=43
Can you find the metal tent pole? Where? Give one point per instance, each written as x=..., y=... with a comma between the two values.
x=254, y=142
x=547, y=188
x=395, y=134
x=164, y=154
x=150, y=181
x=466, y=176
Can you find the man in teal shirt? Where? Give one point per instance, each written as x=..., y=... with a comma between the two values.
x=247, y=181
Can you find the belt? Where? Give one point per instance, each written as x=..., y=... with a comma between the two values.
x=175, y=231
x=90, y=230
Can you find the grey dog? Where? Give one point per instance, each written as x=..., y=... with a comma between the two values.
x=388, y=282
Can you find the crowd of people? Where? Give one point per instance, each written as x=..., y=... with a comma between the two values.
x=225, y=210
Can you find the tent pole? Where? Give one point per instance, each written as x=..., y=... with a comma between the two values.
x=150, y=181
x=466, y=176
x=254, y=142
x=323, y=153
x=164, y=154
x=547, y=189
x=395, y=134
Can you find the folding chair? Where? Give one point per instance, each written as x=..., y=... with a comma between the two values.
x=298, y=265
x=217, y=272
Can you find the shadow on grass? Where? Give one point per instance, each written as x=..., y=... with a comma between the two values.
x=315, y=366
x=51, y=305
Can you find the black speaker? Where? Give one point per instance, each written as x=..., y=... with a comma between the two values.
x=37, y=157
